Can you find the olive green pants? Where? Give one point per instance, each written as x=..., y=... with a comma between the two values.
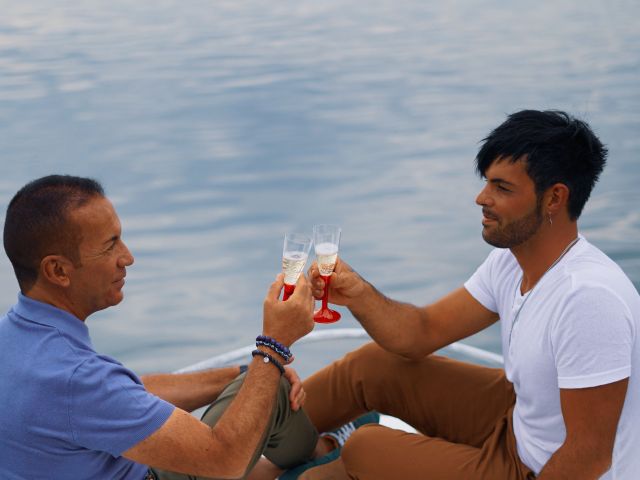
x=289, y=440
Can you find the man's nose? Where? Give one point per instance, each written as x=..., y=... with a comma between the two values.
x=483, y=198
x=126, y=258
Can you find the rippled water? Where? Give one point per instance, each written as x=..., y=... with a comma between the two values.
x=217, y=126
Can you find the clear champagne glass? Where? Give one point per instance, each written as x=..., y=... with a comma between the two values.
x=294, y=256
x=326, y=240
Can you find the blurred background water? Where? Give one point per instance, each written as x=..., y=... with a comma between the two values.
x=218, y=126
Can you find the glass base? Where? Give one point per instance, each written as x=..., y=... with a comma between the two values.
x=326, y=316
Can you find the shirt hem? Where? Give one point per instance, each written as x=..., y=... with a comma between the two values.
x=596, y=379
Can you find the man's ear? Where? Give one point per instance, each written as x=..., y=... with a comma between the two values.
x=556, y=199
x=56, y=269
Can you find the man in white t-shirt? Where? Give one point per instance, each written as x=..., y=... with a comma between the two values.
x=567, y=403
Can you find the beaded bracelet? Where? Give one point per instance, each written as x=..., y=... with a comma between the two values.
x=274, y=345
x=267, y=358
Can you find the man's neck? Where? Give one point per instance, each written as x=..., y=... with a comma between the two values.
x=537, y=254
x=51, y=298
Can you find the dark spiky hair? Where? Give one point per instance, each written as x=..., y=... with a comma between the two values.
x=556, y=148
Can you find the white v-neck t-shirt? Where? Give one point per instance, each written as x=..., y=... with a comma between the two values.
x=578, y=329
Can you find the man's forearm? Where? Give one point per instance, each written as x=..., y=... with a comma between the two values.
x=570, y=463
x=224, y=450
x=190, y=391
x=392, y=324
x=248, y=415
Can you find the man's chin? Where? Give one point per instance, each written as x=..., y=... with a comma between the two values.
x=115, y=299
x=492, y=240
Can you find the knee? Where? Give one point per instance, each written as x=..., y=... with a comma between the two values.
x=369, y=357
x=364, y=446
x=374, y=367
x=368, y=352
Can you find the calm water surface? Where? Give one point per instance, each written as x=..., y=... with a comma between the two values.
x=217, y=126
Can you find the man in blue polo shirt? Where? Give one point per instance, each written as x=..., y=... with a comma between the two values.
x=70, y=413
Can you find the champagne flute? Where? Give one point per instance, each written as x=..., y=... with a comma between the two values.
x=326, y=240
x=294, y=256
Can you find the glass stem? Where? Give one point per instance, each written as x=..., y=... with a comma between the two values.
x=288, y=291
x=325, y=297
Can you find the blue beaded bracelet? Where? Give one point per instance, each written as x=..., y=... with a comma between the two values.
x=274, y=345
x=269, y=359
x=280, y=352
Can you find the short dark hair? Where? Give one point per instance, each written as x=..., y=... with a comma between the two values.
x=556, y=148
x=37, y=223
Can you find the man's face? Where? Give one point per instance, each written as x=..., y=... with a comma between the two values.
x=512, y=212
x=98, y=280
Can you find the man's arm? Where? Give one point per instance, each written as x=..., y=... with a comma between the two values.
x=591, y=418
x=190, y=391
x=399, y=327
x=184, y=444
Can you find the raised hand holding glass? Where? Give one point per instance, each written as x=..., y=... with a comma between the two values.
x=326, y=240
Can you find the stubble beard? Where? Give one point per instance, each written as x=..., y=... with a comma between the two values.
x=516, y=232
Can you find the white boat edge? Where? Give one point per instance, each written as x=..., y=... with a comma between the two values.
x=239, y=354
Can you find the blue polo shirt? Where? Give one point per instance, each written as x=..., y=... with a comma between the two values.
x=65, y=411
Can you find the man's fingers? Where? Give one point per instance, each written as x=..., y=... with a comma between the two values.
x=297, y=396
x=302, y=282
x=304, y=289
x=276, y=287
x=313, y=270
x=292, y=376
x=295, y=391
x=338, y=281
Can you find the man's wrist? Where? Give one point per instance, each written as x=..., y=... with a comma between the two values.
x=269, y=357
x=273, y=353
x=282, y=339
x=363, y=298
x=275, y=346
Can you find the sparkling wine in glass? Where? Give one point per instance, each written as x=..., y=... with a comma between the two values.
x=326, y=240
x=294, y=256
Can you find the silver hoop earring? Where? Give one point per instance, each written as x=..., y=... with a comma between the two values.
x=550, y=221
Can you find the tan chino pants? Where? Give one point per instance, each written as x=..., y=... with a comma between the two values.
x=462, y=411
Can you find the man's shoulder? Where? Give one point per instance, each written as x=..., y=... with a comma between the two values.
x=592, y=270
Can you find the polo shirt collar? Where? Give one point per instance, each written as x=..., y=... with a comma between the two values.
x=46, y=314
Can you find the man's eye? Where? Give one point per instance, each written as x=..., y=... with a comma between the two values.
x=502, y=188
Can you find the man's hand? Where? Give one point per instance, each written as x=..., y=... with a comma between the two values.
x=345, y=284
x=297, y=394
x=291, y=320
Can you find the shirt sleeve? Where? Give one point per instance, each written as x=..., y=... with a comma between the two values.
x=480, y=284
x=109, y=408
x=593, y=339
